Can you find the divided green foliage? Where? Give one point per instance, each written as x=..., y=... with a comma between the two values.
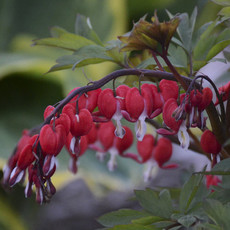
x=222, y=168
x=83, y=28
x=218, y=213
x=67, y=41
x=86, y=55
x=158, y=205
x=123, y=216
x=203, y=44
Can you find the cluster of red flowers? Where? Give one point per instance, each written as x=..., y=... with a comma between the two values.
x=78, y=127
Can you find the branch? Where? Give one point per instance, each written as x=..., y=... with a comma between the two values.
x=149, y=74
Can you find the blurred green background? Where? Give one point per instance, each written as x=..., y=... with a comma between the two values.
x=25, y=91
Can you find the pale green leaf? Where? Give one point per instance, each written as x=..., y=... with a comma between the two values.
x=222, y=2
x=225, y=12
x=187, y=220
x=66, y=41
x=159, y=205
x=147, y=220
x=122, y=216
x=218, y=212
x=113, y=50
x=57, y=31
x=216, y=49
x=84, y=28
x=223, y=165
x=223, y=60
x=177, y=56
x=92, y=54
x=188, y=193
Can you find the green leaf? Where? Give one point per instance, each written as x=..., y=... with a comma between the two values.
x=178, y=56
x=163, y=224
x=146, y=63
x=204, y=41
x=185, y=29
x=92, y=54
x=225, y=12
x=66, y=41
x=218, y=212
x=122, y=216
x=203, y=47
x=157, y=205
x=223, y=165
x=113, y=50
x=222, y=2
x=147, y=220
x=57, y=31
x=223, y=60
x=187, y=220
x=189, y=191
x=133, y=227
x=84, y=28
x=216, y=49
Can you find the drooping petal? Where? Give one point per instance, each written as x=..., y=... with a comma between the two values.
x=112, y=163
x=134, y=103
x=145, y=147
x=183, y=136
x=141, y=127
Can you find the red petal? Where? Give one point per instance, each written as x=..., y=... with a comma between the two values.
x=106, y=135
x=209, y=142
x=107, y=103
x=169, y=107
x=163, y=151
x=169, y=89
x=145, y=147
x=134, y=103
x=121, y=92
x=124, y=143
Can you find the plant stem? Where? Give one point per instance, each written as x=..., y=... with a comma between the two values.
x=174, y=71
x=157, y=61
x=98, y=84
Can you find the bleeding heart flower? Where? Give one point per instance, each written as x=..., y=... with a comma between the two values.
x=25, y=158
x=89, y=100
x=64, y=120
x=209, y=143
x=154, y=155
x=169, y=89
x=176, y=127
x=24, y=140
x=110, y=107
x=139, y=107
x=80, y=123
x=224, y=91
x=106, y=135
x=76, y=148
x=163, y=151
x=113, y=144
x=49, y=109
x=124, y=143
x=145, y=147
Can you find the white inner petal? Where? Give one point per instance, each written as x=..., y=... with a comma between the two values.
x=140, y=126
x=120, y=131
x=183, y=136
x=112, y=163
x=72, y=144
